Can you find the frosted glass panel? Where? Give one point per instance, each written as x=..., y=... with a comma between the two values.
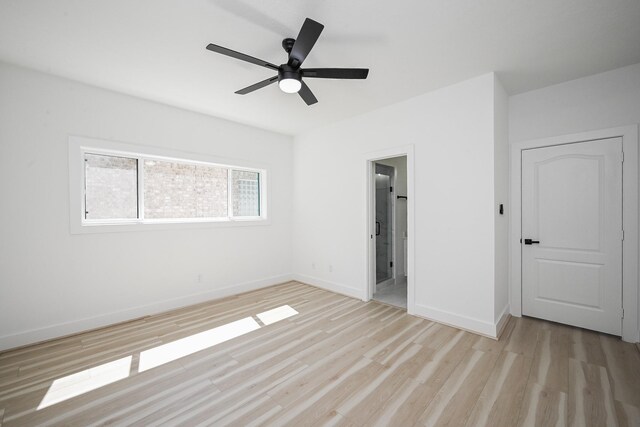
x=246, y=193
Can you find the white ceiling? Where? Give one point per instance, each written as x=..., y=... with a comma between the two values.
x=155, y=49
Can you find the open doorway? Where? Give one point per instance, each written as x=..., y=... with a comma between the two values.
x=389, y=191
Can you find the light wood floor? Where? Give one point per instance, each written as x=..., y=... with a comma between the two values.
x=338, y=362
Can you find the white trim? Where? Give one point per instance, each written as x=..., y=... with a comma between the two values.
x=78, y=146
x=502, y=321
x=89, y=323
x=140, y=170
x=457, y=321
x=630, y=253
x=368, y=159
x=229, y=193
x=329, y=286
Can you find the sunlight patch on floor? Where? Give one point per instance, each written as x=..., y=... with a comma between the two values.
x=183, y=347
x=73, y=385
x=84, y=381
x=277, y=314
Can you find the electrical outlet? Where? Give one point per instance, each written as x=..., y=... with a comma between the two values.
x=330, y=268
x=313, y=265
x=199, y=277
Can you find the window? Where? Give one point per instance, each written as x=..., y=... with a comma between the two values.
x=122, y=187
x=111, y=187
x=246, y=193
x=182, y=190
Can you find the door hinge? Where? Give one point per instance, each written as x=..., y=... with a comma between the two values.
x=621, y=234
x=622, y=156
x=391, y=264
x=390, y=189
x=623, y=313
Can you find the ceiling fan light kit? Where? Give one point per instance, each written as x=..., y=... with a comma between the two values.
x=289, y=79
x=290, y=75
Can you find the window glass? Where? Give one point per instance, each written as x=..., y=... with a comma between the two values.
x=246, y=193
x=183, y=190
x=111, y=187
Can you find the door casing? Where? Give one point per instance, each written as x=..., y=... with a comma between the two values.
x=630, y=253
x=370, y=274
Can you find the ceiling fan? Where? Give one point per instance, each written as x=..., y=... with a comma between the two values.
x=290, y=74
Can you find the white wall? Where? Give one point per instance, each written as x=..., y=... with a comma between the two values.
x=453, y=132
x=501, y=182
x=600, y=101
x=400, y=220
x=53, y=283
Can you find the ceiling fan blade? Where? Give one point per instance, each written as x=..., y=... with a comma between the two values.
x=241, y=56
x=306, y=94
x=336, y=73
x=308, y=36
x=257, y=86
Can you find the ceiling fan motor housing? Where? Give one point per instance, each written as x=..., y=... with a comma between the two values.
x=289, y=72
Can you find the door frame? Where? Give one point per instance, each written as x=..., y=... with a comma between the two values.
x=369, y=229
x=630, y=254
x=392, y=222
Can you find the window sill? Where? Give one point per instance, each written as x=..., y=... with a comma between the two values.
x=133, y=226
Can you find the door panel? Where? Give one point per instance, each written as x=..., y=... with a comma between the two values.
x=572, y=205
x=384, y=222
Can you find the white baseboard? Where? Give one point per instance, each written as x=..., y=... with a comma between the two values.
x=76, y=326
x=469, y=324
x=502, y=321
x=330, y=286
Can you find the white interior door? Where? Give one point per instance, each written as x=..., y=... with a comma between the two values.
x=572, y=206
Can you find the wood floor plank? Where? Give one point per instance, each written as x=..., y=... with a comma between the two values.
x=233, y=400
x=489, y=345
x=437, y=335
x=333, y=419
x=184, y=403
x=500, y=401
x=321, y=373
x=445, y=359
x=457, y=397
x=622, y=362
x=543, y=407
x=407, y=405
x=383, y=403
x=524, y=336
x=368, y=402
x=590, y=396
x=551, y=359
x=256, y=412
x=312, y=407
x=628, y=415
x=338, y=362
x=586, y=346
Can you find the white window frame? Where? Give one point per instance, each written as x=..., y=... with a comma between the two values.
x=80, y=146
